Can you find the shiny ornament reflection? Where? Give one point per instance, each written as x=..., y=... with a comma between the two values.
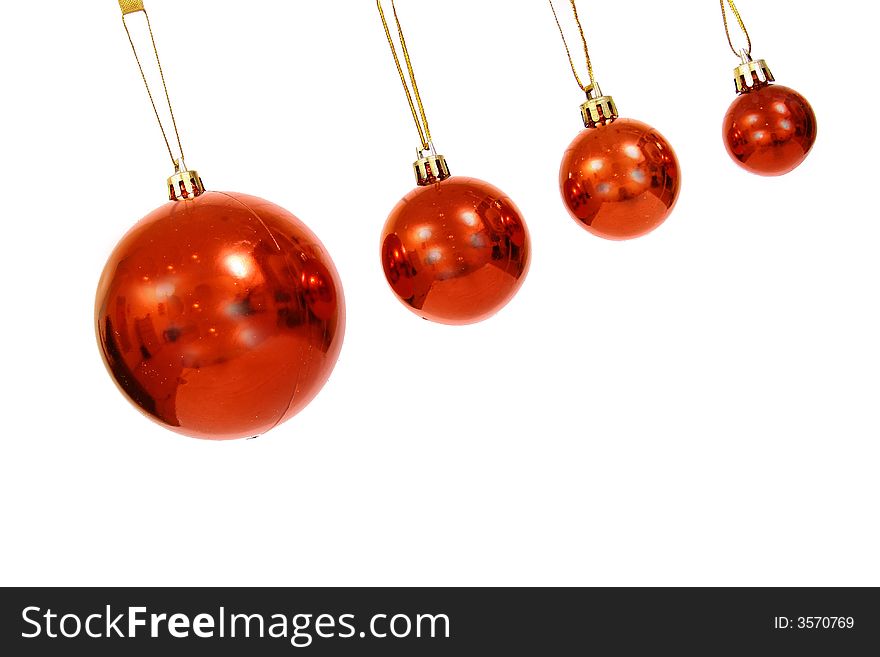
x=769, y=130
x=220, y=316
x=619, y=180
x=455, y=251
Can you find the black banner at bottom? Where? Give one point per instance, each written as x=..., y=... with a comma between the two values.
x=442, y=621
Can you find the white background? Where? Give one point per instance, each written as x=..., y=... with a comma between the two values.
x=696, y=407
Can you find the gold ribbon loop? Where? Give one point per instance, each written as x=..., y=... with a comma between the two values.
x=421, y=125
x=592, y=81
x=743, y=53
x=130, y=7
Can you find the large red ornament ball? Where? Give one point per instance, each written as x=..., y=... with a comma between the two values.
x=220, y=316
x=619, y=180
x=769, y=130
x=455, y=251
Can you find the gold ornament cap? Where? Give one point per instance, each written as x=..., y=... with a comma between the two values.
x=430, y=167
x=751, y=74
x=599, y=109
x=185, y=184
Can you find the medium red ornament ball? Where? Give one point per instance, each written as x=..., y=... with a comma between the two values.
x=455, y=251
x=220, y=316
x=769, y=130
x=619, y=180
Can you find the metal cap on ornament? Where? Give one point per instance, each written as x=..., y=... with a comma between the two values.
x=429, y=167
x=184, y=184
x=751, y=74
x=599, y=109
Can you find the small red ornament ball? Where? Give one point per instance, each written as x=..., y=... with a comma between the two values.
x=455, y=251
x=220, y=316
x=769, y=130
x=619, y=180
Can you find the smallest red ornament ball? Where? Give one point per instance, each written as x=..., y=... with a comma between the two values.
x=769, y=129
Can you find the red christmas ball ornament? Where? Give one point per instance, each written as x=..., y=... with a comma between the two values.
x=769, y=129
x=619, y=178
x=454, y=250
x=219, y=315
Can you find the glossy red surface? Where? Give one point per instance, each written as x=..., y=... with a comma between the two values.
x=455, y=252
x=769, y=130
x=620, y=180
x=220, y=316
